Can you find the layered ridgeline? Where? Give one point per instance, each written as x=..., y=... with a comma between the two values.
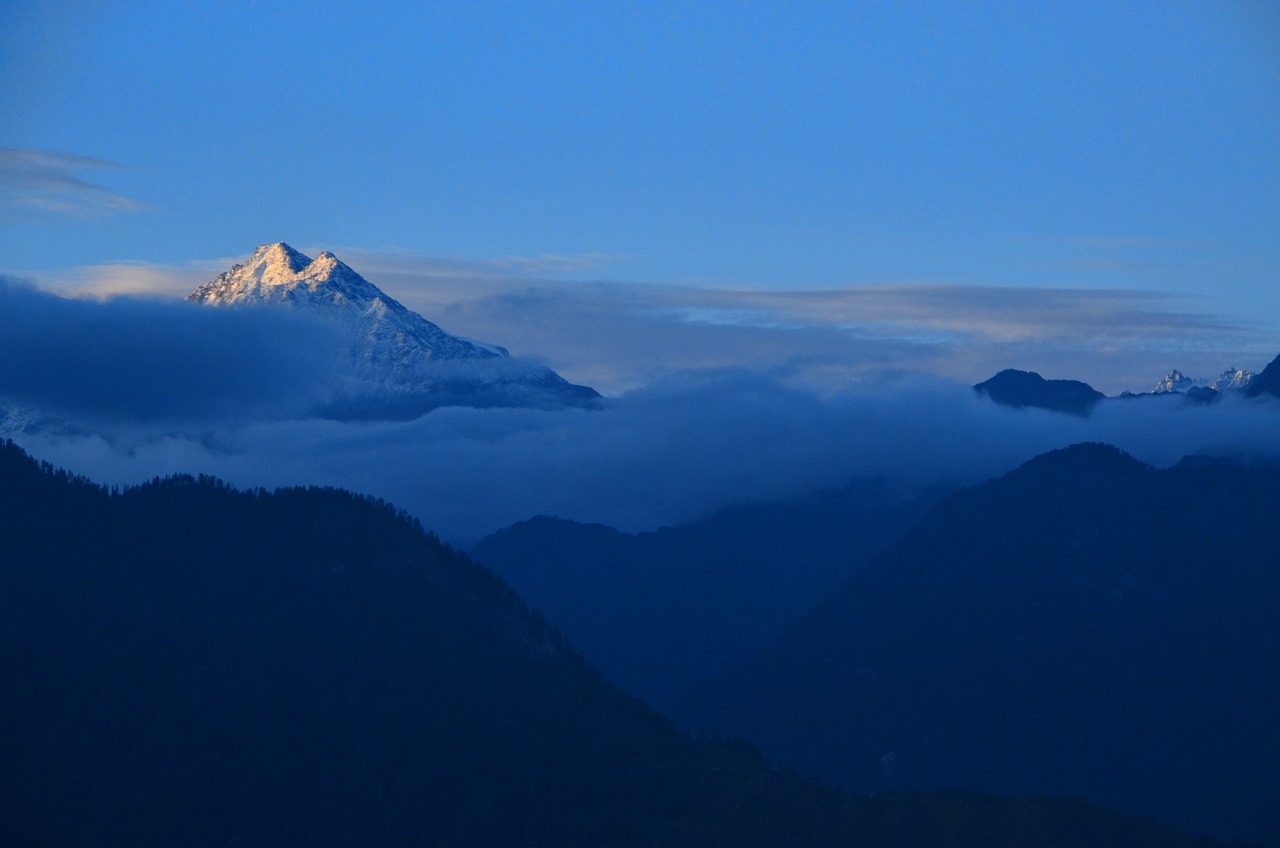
x=1086, y=625
x=186, y=664
x=660, y=612
x=402, y=363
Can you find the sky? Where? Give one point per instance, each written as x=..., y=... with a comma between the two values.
x=837, y=208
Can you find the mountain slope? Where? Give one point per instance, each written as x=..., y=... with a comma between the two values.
x=185, y=664
x=405, y=363
x=1045, y=633
x=1267, y=382
x=662, y=611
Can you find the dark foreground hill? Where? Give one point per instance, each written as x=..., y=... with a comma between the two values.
x=1086, y=625
x=662, y=611
x=185, y=664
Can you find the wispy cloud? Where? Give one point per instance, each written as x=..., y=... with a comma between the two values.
x=548, y=265
x=552, y=264
x=617, y=336
x=625, y=335
x=50, y=183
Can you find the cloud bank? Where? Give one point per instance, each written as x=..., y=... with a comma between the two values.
x=721, y=396
x=144, y=361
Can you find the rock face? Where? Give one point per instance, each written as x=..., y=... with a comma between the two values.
x=402, y=363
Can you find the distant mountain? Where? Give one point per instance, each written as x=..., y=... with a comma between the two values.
x=1266, y=383
x=404, y=363
x=660, y=612
x=186, y=664
x=1028, y=389
x=1231, y=380
x=1047, y=633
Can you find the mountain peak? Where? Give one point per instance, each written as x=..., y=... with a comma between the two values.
x=392, y=349
x=279, y=255
x=1174, y=381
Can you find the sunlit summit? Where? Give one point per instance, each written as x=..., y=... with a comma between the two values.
x=402, y=364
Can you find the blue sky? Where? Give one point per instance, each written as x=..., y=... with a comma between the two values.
x=1092, y=146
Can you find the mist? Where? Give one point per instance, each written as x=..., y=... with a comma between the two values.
x=130, y=388
x=671, y=452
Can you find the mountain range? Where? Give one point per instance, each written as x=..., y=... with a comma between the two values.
x=1231, y=380
x=187, y=664
x=1045, y=633
x=401, y=364
x=660, y=612
x=1021, y=389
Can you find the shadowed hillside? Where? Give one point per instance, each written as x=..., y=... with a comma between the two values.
x=186, y=664
x=1086, y=625
x=661, y=612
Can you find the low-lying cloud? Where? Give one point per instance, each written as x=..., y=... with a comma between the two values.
x=719, y=397
x=137, y=360
x=667, y=453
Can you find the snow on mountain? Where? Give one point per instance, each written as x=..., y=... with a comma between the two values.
x=404, y=364
x=1232, y=379
x=1174, y=381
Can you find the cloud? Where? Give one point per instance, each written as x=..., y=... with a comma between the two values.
x=673, y=451
x=48, y=183
x=553, y=264
x=617, y=336
x=722, y=396
x=143, y=360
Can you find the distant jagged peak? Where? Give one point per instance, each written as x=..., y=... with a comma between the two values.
x=1174, y=381
x=1232, y=379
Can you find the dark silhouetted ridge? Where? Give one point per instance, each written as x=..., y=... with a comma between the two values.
x=1267, y=382
x=1020, y=389
x=187, y=664
x=660, y=612
x=1086, y=625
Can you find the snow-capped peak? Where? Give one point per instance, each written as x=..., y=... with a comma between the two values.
x=275, y=263
x=1174, y=381
x=390, y=346
x=386, y=332
x=1230, y=380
